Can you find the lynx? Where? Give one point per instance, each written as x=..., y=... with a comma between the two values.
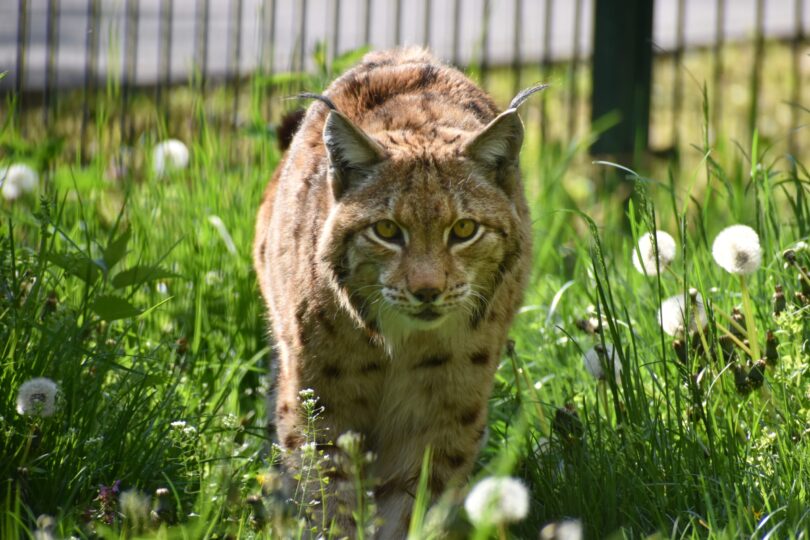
x=392, y=248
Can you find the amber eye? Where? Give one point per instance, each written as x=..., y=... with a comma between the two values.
x=463, y=229
x=388, y=230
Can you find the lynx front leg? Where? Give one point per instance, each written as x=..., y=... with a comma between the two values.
x=453, y=438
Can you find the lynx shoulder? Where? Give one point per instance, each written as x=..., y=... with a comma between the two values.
x=392, y=248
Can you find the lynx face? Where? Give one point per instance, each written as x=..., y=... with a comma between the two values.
x=417, y=236
x=429, y=251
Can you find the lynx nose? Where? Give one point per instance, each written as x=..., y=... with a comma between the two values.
x=427, y=295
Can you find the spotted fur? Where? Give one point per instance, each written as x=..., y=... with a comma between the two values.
x=400, y=137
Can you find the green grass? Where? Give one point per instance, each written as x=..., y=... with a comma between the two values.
x=126, y=293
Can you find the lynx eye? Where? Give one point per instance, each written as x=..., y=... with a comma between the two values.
x=389, y=231
x=463, y=229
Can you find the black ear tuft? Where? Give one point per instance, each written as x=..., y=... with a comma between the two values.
x=320, y=97
x=524, y=94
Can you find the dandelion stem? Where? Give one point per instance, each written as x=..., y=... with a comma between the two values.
x=753, y=339
x=603, y=393
x=541, y=417
x=740, y=328
x=703, y=341
x=736, y=340
x=674, y=274
x=802, y=273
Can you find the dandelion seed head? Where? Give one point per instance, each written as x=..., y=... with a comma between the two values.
x=599, y=357
x=569, y=529
x=497, y=500
x=672, y=315
x=16, y=180
x=736, y=249
x=135, y=506
x=37, y=397
x=169, y=155
x=647, y=259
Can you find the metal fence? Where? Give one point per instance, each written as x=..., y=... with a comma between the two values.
x=50, y=47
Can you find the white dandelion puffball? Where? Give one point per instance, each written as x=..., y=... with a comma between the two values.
x=169, y=155
x=644, y=256
x=570, y=529
x=737, y=250
x=598, y=357
x=37, y=397
x=135, y=507
x=17, y=180
x=672, y=315
x=497, y=500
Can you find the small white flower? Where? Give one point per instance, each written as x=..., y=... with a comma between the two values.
x=644, y=256
x=598, y=357
x=37, y=397
x=17, y=180
x=169, y=155
x=309, y=449
x=350, y=442
x=737, y=250
x=497, y=500
x=672, y=315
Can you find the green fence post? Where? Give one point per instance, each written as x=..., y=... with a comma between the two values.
x=622, y=73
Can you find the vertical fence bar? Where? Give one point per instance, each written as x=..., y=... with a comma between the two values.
x=269, y=48
x=367, y=24
x=484, y=63
x=545, y=63
x=164, y=59
x=201, y=42
x=622, y=73
x=426, y=23
x=397, y=23
x=717, y=75
x=334, y=49
x=677, y=75
x=302, y=38
x=132, y=9
x=756, y=70
x=517, y=56
x=573, y=70
x=52, y=46
x=22, y=50
x=91, y=49
x=456, y=31
x=796, y=82
x=199, y=76
x=233, y=70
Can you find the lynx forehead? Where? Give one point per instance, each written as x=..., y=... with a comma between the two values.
x=392, y=247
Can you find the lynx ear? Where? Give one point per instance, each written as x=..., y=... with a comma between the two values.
x=498, y=144
x=351, y=151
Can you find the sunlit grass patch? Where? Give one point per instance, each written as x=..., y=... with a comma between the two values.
x=620, y=411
